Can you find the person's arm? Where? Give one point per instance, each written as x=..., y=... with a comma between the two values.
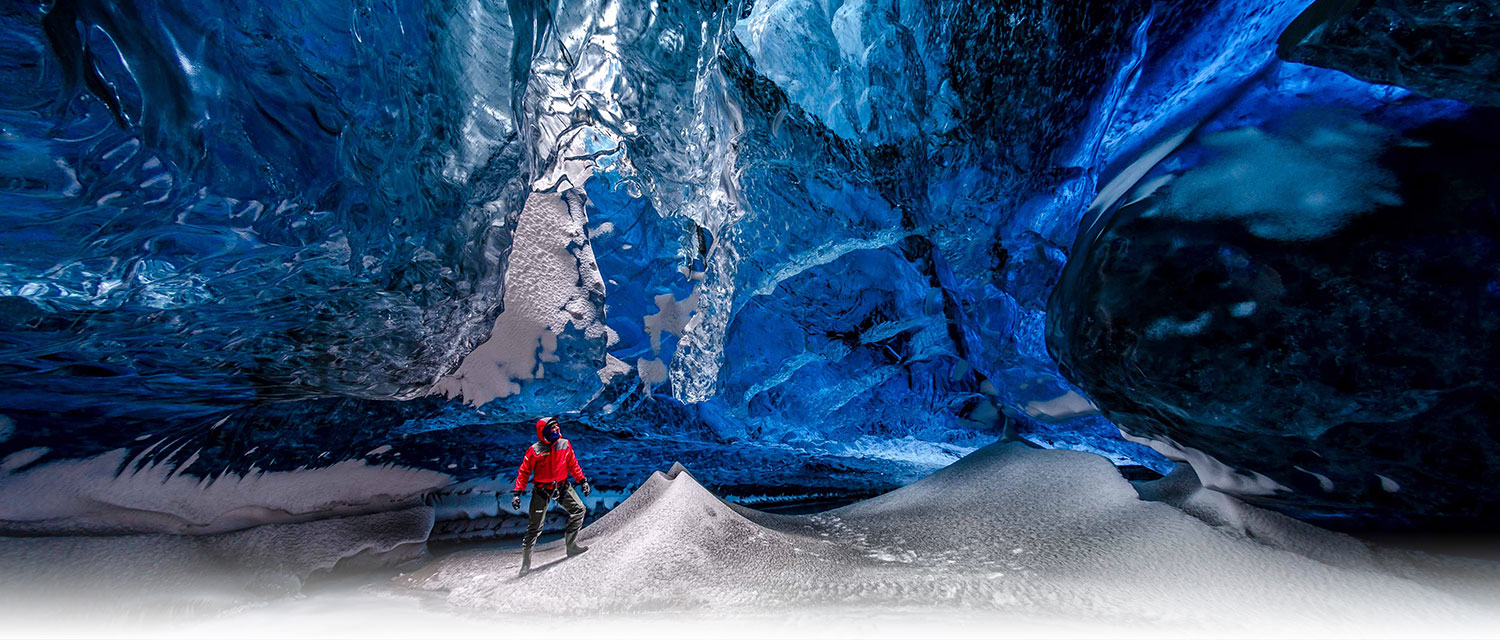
x=577, y=473
x=573, y=468
x=524, y=473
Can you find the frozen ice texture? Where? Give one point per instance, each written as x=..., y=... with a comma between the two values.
x=552, y=319
x=1441, y=49
x=241, y=203
x=827, y=228
x=323, y=202
x=1298, y=310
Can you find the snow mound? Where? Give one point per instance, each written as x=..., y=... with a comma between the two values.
x=1006, y=531
x=671, y=544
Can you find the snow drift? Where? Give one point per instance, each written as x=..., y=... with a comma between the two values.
x=114, y=494
x=1006, y=532
x=69, y=580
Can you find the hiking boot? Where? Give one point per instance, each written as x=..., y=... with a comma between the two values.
x=525, y=560
x=573, y=547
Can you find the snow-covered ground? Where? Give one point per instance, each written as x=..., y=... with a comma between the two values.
x=1009, y=541
x=114, y=493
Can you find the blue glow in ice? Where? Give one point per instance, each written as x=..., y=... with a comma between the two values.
x=829, y=227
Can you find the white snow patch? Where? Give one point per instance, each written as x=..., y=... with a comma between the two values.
x=22, y=458
x=672, y=316
x=1214, y=474
x=1324, y=482
x=548, y=283
x=85, y=496
x=1064, y=407
x=1389, y=485
x=651, y=370
x=1090, y=549
x=602, y=230
x=1008, y=542
x=157, y=577
x=612, y=367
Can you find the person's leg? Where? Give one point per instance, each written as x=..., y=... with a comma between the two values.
x=535, y=515
x=569, y=500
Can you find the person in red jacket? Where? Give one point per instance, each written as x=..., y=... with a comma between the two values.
x=547, y=464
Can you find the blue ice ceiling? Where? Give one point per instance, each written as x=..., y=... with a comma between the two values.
x=805, y=245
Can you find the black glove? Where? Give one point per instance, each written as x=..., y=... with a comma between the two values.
x=587, y=488
x=515, y=501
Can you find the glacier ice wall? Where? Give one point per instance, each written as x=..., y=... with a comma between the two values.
x=289, y=234
x=1297, y=298
x=219, y=206
x=1439, y=49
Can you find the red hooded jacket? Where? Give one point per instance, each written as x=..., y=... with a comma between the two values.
x=548, y=463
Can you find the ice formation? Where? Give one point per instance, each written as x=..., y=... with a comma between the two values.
x=1289, y=339
x=280, y=239
x=1441, y=49
x=553, y=294
x=290, y=266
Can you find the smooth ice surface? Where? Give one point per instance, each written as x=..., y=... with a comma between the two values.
x=1302, y=307
x=1441, y=48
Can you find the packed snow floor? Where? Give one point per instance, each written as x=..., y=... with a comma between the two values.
x=1007, y=531
x=1009, y=541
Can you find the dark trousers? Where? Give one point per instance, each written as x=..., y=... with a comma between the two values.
x=566, y=497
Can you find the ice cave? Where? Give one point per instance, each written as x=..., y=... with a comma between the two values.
x=809, y=318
